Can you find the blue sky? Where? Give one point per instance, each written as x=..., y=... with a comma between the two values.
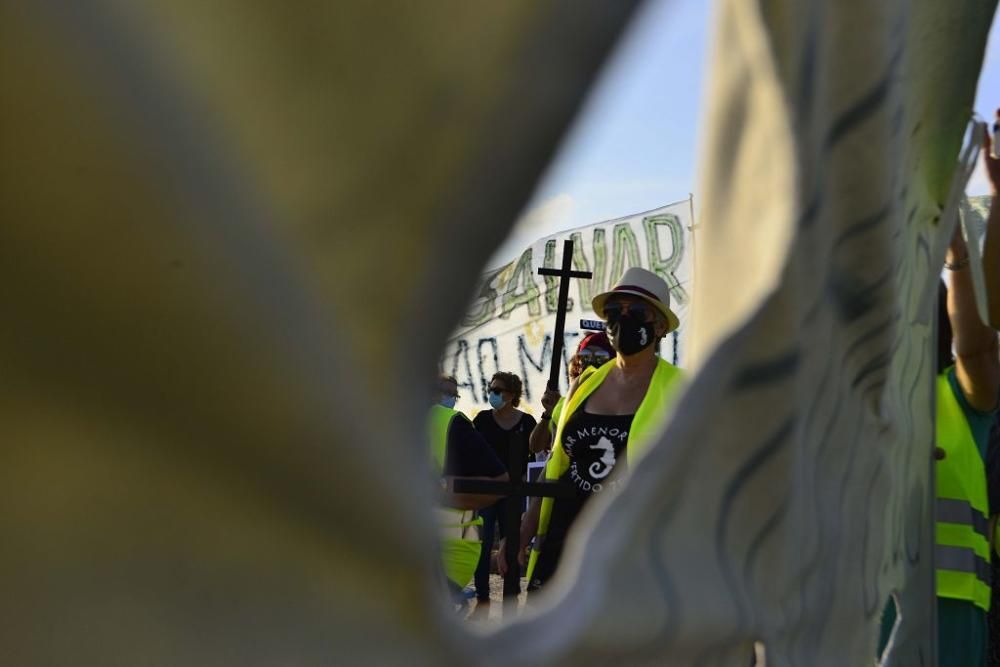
x=634, y=145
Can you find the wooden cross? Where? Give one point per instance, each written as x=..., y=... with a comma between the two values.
x=564, y=273
x=518, y=490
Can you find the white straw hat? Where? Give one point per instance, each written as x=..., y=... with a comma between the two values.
x=646, y=285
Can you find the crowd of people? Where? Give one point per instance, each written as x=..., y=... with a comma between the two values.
x=619, y=391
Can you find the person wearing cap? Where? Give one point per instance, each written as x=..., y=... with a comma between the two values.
x=593, y=352
x=458, y=450
x=610, y=417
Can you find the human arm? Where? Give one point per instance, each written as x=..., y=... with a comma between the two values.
x=977, y=367
x=529, y=527
x=991, y=249
x=470, y=501
x=541, y=436
x=554, y=469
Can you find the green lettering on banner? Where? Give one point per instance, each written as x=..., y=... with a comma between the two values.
x=523, y=277
x=665, y=267
x=600, y=280
x=551, y=282
x=486, y=301
x=626, y=250
x=580, y=264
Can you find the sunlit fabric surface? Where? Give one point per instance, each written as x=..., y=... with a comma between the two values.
x=791, y=494
x=234, y=238
x=236, y=234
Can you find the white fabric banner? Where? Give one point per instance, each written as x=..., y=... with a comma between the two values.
x=510, y=325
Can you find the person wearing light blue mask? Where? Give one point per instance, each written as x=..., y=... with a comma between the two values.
x=505, y=428
x=496, y=400
x=449, y=400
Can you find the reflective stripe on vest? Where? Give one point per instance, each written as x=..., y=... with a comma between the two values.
x=645, y=425
x=962, y=548
x=456, y=524
x=951, y=510
x=962, y=559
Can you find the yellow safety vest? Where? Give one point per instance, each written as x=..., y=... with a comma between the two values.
x=438, y=423
x=556, y=412
x=645, y=425
x=962, y=548
x=460, y=546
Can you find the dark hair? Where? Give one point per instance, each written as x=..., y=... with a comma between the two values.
x=443, y=382
x=512, y=383
x=450, y=379
x=945, y=335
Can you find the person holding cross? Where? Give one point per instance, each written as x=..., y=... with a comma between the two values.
x=610, y=416
x=593, y=351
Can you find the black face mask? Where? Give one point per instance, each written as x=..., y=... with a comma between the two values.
x=628, y=335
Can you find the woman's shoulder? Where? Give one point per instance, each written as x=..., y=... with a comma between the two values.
x=664, y=365
x=583, y=378
x=527, y=420
x=483, y=417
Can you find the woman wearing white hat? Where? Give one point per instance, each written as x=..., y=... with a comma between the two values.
x=611, y=415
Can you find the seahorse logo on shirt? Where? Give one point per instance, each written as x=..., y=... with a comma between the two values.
x=599, y=469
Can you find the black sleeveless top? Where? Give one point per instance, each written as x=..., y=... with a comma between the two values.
x=595, y=445
x=501, y=440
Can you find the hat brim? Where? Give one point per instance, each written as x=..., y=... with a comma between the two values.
x=672, y=320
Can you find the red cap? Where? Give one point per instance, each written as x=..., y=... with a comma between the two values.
x=599, y=339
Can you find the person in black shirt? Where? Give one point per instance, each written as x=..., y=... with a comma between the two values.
x=469, y=456
x=503, y=426
x=459, y=451
x=467, y=452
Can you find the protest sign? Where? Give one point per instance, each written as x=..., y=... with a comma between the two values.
x=509, y=324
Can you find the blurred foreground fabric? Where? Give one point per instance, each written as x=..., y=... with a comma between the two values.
x=220, y=220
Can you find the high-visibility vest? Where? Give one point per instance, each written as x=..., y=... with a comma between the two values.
x=460, y=546
x=962, y=548
x=648, y=419
x=438, y=423
x=556, y=412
